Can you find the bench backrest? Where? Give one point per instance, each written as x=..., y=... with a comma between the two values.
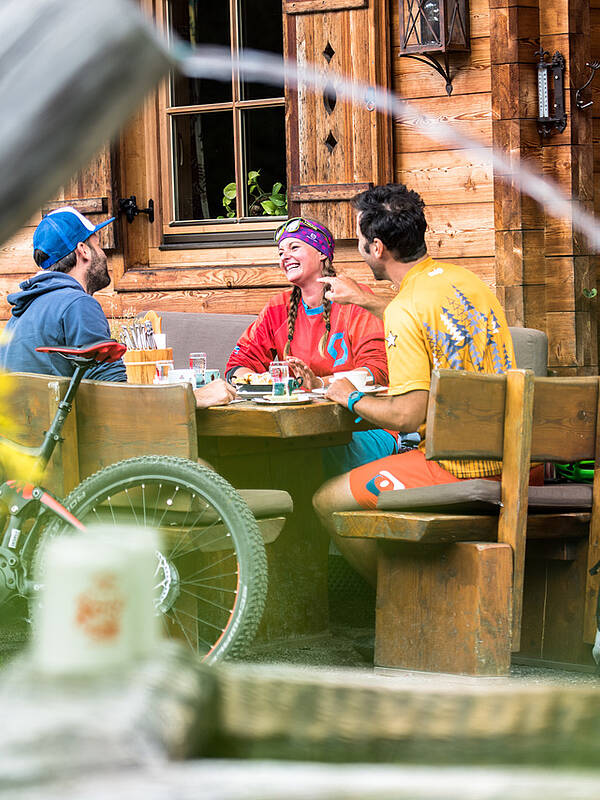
x=118, y=420
x=467, y=412
x=531, y=349
x=516, y=418
x=213, y=334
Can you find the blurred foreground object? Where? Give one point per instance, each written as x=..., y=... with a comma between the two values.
x=70, y=75
x=96, y=609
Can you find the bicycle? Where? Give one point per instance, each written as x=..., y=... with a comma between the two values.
x=211, y=569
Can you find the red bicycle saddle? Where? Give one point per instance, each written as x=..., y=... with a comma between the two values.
x=101, y=351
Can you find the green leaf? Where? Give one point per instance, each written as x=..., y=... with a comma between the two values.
x=589, y=293
x=279, y=200
x=229, y=191
x=276, y=188
x=269, y=207
x=253, y=176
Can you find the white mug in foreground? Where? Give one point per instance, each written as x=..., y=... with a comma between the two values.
x=355, y=376
x=96, y=608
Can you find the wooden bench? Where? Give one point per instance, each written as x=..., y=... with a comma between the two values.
x=117, y=421
x=451, y=560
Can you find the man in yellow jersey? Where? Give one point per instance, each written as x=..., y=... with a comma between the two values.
x=443, y=317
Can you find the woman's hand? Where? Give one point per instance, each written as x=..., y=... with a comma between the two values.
x=310, y=381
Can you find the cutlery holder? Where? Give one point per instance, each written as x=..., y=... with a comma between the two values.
x=141, y=364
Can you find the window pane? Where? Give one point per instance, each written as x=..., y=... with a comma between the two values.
x=203, y=163
x=264, y=131
x=200, y=22
x=261, y=28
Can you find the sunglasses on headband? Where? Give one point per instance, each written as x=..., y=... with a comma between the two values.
x=294, y=224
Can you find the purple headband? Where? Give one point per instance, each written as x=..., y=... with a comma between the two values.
x=309, y=231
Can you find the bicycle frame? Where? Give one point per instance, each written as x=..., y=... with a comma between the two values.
x=24, y=501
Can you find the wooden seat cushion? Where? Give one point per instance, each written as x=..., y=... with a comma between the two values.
x=480, y=496
x=268, y=502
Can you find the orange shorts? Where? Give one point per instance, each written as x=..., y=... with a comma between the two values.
x=406, y=471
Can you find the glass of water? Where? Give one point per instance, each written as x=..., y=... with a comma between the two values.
x=162, y=371
x=198, y=364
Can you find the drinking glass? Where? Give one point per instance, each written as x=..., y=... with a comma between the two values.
x=162, y=371
x=280, y=373
x=198, y=364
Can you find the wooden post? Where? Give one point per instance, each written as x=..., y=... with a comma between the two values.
x=519, y=221
x=568, y=159
x=512, y=525
x=592, y=583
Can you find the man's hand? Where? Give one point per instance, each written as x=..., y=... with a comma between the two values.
x=340, y=390
x=215, y=393
x=404, y=412
x=301, y=370
x=344, y=290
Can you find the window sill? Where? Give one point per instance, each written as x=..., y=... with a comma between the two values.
x=196, y=241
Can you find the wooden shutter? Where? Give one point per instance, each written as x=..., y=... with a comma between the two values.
x=335, y=148
x=91, y=191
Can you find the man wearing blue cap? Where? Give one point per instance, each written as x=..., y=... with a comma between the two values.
x=55, y=307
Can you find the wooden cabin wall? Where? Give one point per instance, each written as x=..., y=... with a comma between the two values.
x=455, y=182
x=541, y=270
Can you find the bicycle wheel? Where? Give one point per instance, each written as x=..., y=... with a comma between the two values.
x=211, y=568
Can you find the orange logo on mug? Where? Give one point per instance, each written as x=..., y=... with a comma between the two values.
x=99, y=608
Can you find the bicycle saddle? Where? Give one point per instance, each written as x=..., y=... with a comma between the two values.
x=101, y=351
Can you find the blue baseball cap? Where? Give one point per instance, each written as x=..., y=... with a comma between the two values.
x=59, y=233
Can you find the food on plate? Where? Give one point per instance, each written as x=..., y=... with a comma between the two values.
x=254, y=379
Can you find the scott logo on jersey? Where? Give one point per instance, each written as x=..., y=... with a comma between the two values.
x=384, y=481
x=338, y=349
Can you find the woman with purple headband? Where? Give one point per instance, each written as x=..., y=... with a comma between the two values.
x=316, y=336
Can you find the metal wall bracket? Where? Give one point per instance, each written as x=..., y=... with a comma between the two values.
x=594, y=65
x=129, y=207
x=551, y=93
x=431, y=61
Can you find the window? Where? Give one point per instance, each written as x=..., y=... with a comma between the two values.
x=227, y=139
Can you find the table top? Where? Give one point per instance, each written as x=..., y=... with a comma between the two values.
x=281, y=422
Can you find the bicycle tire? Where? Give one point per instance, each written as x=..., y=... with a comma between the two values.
x=122, y=494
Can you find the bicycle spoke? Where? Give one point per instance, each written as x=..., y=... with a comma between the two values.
x=176, y=552
x=205, y=585
x=214, y=564
x=181, y=626
x=204, y=600
x=199, y=619
x=132, y=507
x=168, y=502
x=203, y=546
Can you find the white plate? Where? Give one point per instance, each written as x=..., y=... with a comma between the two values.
x=366, y=390
x=295, y=399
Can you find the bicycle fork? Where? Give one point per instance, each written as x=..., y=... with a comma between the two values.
x=24, y=501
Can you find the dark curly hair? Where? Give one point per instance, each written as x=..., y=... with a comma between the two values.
x=393, y=214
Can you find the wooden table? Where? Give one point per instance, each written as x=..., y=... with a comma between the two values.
x=278, y=447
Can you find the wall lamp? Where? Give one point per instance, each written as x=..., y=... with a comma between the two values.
x=434, y=26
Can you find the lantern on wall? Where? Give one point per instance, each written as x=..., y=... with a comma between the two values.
x=434, y=26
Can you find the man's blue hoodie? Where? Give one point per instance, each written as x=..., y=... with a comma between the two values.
x=54, y=310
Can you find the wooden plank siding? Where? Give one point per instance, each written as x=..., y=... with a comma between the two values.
x=540, y=269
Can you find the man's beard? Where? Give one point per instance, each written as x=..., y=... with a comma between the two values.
x=97, y=274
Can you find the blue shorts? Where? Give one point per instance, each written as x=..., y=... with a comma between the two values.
x=366, y=446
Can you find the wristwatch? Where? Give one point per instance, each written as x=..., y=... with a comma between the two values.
x=353, y=399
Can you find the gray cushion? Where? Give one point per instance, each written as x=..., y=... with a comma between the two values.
x=213, y=334
x=268, y=502
x=480, y=496
x=531, y=349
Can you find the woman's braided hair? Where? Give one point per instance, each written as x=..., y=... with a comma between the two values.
x=327, y=271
